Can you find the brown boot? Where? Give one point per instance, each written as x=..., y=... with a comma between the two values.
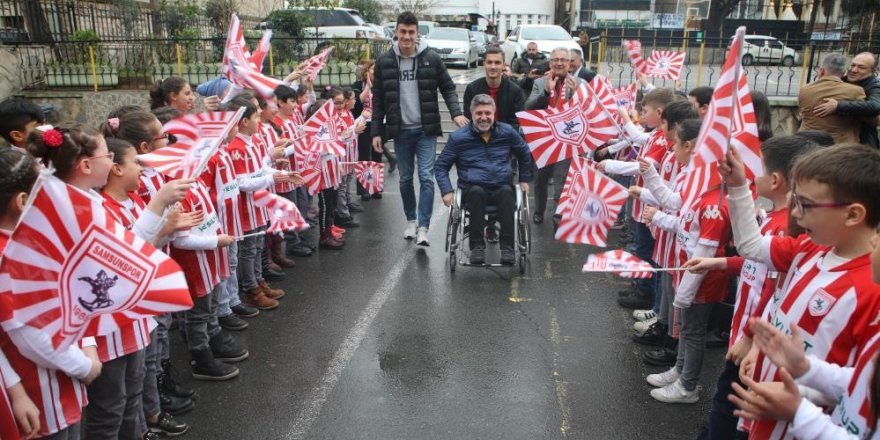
x=269, y=263
x=278, y=255
x=256, y=298
x=269, y=291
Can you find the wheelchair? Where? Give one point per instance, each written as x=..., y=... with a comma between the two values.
x=457, y=232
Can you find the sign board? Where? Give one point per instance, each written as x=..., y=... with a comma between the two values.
x=668, y=21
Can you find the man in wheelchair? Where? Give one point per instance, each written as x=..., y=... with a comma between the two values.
x=481, y=153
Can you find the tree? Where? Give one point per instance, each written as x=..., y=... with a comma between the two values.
x=718, y=12
x=418, y=7
x=371, y=10
x=219, y=12
x=312, y=4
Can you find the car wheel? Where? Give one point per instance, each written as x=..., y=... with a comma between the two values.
x=748, y=60
x=788, y=61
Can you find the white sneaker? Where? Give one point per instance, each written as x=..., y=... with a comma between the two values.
x=675, y=393
x=410, y=232
x=663, y=379
x=641, y=326
x=643, y=315
x=422, y=240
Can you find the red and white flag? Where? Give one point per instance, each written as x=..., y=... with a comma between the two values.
x=625, y=96
x=595, y=202
x=283, y=214
x=575, y=177
x=316, y=63
x=665, y=64
x=368, y=101
x=634, y=51
x=371, y=175
x=620, y=263
x=198, y=137
x=244, y=69
x=603, y=92
x=322, y=132
x=312, y=177
x=72, y=271
x=581, y=124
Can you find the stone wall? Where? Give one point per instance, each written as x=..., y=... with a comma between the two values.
x=10, y=73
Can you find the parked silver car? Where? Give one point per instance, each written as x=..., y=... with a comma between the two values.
x=454, y=45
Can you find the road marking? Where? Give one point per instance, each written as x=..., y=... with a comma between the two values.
x=548, y=271
x=514, y=292
x=320, y=394
x=560, y=384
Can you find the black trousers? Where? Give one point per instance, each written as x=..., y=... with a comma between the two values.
x=475, y=199
x=558, y=171
x=326, y=208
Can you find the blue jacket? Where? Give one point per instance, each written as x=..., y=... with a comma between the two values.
x=483, y=163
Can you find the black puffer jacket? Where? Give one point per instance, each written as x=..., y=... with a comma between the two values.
x=431, y=74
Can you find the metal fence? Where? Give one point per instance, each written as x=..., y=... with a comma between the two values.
x=129, y=64
x=24, y=21
x=774, y=76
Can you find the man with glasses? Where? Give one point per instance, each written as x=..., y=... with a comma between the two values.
x=555, y=86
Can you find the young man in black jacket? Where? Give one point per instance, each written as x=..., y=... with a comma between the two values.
x=507, y=95
x=405, y=109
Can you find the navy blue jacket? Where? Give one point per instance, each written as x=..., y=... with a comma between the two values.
x=486, y=164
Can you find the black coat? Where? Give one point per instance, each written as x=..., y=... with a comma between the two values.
x=431, y=75
x=869, y=108
x=510, y=99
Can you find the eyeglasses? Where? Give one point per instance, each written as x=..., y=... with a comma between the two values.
x=109, y=155
x=802, y=204
x=170, y=137
x=559, y=60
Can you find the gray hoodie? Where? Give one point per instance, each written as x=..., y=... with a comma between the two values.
x=410, y=108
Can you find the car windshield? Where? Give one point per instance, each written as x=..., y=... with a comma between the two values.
x=545, y=33
x=449, y=34
x=480, y=38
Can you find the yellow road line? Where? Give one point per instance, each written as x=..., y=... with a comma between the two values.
x=560, y=384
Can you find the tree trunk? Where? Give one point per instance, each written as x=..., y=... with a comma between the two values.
x=156, y=18
x=717, y=13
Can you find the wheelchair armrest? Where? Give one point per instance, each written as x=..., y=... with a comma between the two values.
x=458, y=197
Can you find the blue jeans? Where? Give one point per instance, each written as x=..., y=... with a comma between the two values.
x=229, y=292
x=644, y=247
x=409, y=145
x=722, y=422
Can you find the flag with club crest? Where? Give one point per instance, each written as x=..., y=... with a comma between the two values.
x=625, y=96
x=575, y=177
x=371, y=175
x=730, y=120
x=322, y=132
x=594, y=203
x=70, y=270
x=665, y=64
x=634, y=51
x=620, y=263
x=244, y=69
x=283, y=214
x=580, y=125
x=197, y=138
x=604, y=93
x=316, y=63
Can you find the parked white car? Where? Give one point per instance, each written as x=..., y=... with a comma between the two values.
x=765, y=49
x=454, y=45
x=546, y=36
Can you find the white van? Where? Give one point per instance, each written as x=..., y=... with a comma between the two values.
x=765, y=49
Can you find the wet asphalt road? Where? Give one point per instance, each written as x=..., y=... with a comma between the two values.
x=381, y=341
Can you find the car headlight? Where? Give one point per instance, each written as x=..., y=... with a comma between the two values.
x=459, y=50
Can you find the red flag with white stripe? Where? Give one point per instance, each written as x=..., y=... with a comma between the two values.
x=730, y=121
x=312, y=177
x=198, y=137
x=580, y=125
x=316, y=63
x=70, y=270
x=595, y=202
x=322, y=132
x=620, y=263
x=665, y=64
x=634, y=51
x=283, y=214
x=371, y=175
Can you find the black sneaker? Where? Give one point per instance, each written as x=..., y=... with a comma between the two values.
x=232, y=322
x=300, y=250
x=205, y=367
x=354, y=207
x=636, y=301
x=175, y=405
x=347, y=222
x=478, y=254
x=508, y=256
x=151, y=436
x=224, y=348
x=654, y=335
x=168, y=382
x=662, y=357
x=365, y=197
x=378, y=195
x=245, y=311
x=537, y=218
x=167, y=425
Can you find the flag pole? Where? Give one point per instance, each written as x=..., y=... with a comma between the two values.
x=607, y=112
x=651, y=269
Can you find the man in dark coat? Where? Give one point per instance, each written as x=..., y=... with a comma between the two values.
x=507, y=95
x=861, y=72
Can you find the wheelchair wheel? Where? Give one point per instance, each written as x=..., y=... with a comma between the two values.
x=450, y=224
x=452, y=261
x=522, y=263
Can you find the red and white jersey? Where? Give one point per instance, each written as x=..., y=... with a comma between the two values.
x=222, y=183
x=59, y=397
x=248, y=162
x=853, y=410
x=151, y=181
x=344, y=121
x=664, y=244
x=755, y=280
x=835, y=305
x=271, y=137
x=135, y=336
x=653, y=151
x=706, y=223
x=203, y=269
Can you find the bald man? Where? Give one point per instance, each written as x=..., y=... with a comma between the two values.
x=861, y=72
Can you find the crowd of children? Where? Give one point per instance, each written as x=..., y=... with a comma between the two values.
x=121, y=386
x=803, y=336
